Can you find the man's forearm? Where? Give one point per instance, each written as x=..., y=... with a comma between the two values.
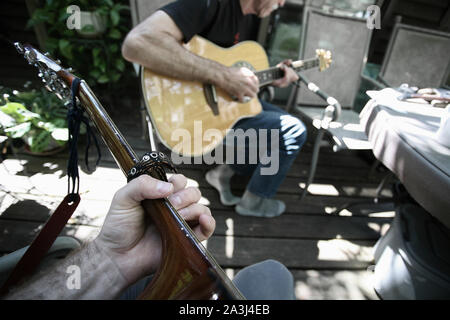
x=86, y=274
x=165, y=55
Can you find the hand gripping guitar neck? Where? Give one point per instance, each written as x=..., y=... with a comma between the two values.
x=187, y=270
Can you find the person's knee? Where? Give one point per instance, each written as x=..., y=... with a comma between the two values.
x=274, y=270
x=275, y=267
x=268, y=279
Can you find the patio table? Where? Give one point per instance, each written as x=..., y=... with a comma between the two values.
x=403, y=137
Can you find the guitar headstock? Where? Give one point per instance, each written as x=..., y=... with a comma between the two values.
x=55, y=78
x=324, y=58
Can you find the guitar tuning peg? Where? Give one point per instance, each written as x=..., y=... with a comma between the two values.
x=69, y=70
x=58, y=61
x=47, y=54
x=19, y=47
x=30, y=56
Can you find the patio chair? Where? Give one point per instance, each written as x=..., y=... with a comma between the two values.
x=404, y=62
x=415, y=56
x=348, y=39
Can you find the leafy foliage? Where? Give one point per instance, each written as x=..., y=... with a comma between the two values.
x=97, y=60
x=36, y=116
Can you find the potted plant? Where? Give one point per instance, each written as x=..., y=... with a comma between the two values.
x=37, y=117
x=93, y=49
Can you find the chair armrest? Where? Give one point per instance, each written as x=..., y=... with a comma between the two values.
x=380, y=85
x=381, y=79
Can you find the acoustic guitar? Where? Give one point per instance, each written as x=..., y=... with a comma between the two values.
x=183, y=111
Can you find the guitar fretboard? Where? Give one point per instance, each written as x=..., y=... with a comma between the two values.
x=267, y=76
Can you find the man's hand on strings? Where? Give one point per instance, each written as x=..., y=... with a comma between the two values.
x=130, y=240
x=240, y=83
x=289, y=75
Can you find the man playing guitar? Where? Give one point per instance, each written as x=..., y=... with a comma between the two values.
x=156, y=43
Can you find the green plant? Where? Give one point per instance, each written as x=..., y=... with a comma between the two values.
x=36, y=116
x=98, y=60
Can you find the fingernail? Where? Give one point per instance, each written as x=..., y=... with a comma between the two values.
x=163, y=186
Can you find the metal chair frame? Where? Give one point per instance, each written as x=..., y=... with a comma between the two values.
x=333, y=109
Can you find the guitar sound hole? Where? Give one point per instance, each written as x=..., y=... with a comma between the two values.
x=244, y=64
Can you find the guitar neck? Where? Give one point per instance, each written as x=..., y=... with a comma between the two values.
x=268, y=76
x=188, y=270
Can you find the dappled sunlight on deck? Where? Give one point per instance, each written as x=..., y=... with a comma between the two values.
x=328, y=252
x=343, y=250
x=341, y=285
x=321, y=189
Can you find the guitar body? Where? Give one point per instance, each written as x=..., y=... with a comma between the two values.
x=180, y=110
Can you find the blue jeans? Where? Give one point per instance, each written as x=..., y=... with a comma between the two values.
x=282, y=148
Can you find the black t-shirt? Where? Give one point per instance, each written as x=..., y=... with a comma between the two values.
x=220, y=21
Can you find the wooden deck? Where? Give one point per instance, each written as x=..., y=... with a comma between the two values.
x=329, y=255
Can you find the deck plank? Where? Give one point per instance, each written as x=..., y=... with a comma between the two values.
x=233, y=252
x=300, y=226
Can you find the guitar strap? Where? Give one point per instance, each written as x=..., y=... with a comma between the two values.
x=43, y=242
x=56, y=223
